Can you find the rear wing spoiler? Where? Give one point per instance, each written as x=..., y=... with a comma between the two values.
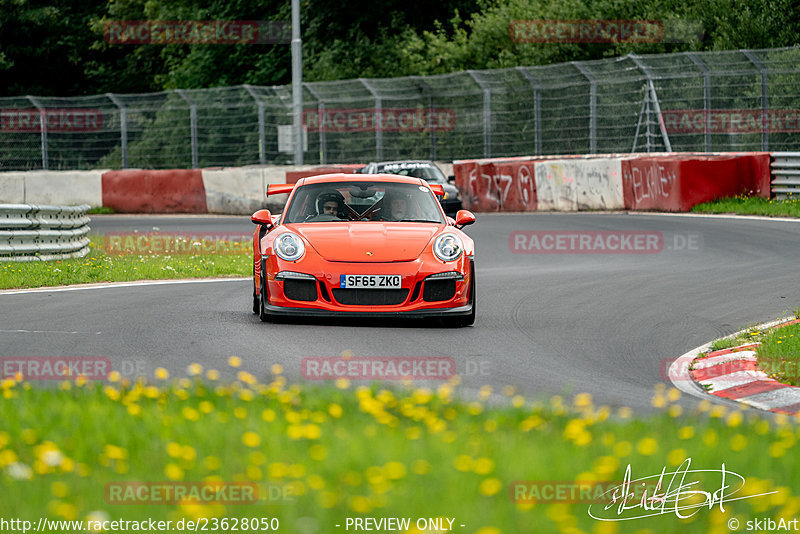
x=279, y=189
x=438, y=189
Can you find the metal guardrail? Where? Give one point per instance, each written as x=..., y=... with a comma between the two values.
x=40, y=233
x=785, y=170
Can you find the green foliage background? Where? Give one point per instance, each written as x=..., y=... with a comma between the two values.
x=58, y=49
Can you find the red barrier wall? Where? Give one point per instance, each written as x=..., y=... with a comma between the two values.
x=149, y=191
x=677, y=183
x=499, y=185
x=293, y=176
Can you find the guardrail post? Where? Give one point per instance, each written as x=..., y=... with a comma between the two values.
x=123, y=127
x=764, y=97
x=262, y=156
x=323, y=140
x=42, y=129
x=378, y=122
x=487, y=114
x=537, y=109
x=706, y=95
x=592, y=105
x=651, y=87
x=192, y=125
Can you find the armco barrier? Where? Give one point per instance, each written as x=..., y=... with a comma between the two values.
x=37, y=233
x=149, y=191
x=670, y=182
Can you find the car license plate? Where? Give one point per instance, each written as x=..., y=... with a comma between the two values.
x=369, y=281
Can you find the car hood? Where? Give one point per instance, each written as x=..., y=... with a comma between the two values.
x=368, y=241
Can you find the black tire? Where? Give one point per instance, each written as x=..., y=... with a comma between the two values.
x=262, y=313
x=468, y=320
x=256, y=299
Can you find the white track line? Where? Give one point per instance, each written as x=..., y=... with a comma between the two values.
x=110, y=285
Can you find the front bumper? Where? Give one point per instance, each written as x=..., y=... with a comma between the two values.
x=322, y=301
x=280, y=311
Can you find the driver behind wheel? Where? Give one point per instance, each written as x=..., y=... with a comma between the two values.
x=330, y=203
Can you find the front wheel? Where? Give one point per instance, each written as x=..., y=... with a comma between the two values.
x=468, y=320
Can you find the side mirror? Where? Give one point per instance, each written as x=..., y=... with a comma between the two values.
x=451, y=179
x=264, y=217
x=463, y=218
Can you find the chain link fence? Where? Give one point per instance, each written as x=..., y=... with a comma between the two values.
x=702, y=102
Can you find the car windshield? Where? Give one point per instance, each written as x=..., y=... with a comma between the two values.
x=363, y=201
x=418, y=169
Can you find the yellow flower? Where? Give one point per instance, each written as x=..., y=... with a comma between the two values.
x=234, y=361
x=277, y=369
x=738, y=442
x=490, y=486
x=686, y=432
x=212, y=374
x=161, y=373
x=335, y=410
x=647, y=446
x=251, y=439
x=676, y=456
x=483, y=466
x=395, y=470
x=173, y=472
x=194, y=369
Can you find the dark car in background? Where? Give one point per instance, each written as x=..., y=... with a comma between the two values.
x=428, y=171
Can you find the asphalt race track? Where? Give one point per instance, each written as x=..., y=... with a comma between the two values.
x=607, y=324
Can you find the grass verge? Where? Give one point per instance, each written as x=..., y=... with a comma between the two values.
x=98, y=266
x=354, y=452
x=746, y=205
x=779, y=354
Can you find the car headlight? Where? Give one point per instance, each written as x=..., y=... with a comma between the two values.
x=448, y=247
x=289, y=247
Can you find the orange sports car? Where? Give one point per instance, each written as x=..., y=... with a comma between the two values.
x=365, y=245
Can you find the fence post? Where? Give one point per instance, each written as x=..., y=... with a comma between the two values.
x=537, y=109
x=428, y=92
x=42, y=129
x=378, y=122
x=323, y=141
x=651, y=87
x=123, y=127
x=192, y=125
x=764, y=97
x=487, y=114
x=592, y=105
x=706, y=95
x=262, y=156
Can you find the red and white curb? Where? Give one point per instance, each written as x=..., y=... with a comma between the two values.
x=733, y=374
